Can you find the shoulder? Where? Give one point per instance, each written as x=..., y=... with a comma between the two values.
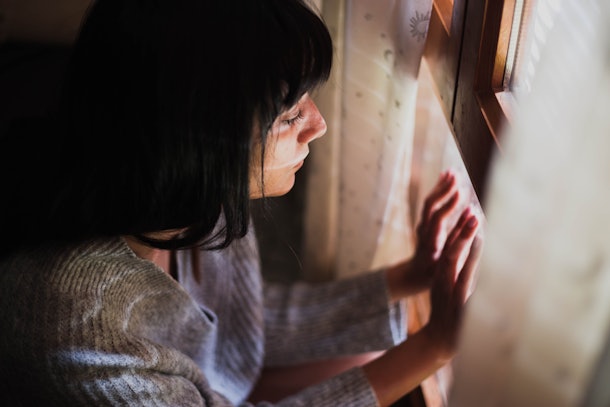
x=87, y=287
x=78, y=268
x=94, y=295
x=94, y=317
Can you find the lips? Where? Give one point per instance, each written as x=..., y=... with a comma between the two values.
x=298, y=162
x=291, y=165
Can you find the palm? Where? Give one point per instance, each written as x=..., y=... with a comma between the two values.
x=432, y=229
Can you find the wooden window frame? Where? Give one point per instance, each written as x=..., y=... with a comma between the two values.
x=467, y=56
x=466, y=49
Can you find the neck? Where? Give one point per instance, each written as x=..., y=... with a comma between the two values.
x=157, y=256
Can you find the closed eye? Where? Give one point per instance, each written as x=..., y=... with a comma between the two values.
x=293, y=120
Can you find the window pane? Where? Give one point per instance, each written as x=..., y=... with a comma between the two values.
x=533, y=21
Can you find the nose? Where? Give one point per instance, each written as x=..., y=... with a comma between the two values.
x=316, y=125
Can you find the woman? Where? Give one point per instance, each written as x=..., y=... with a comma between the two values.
x=131, y=276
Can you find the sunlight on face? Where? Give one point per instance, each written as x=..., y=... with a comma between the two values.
x=287, y=146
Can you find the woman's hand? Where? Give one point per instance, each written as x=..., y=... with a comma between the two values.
x=451, y=284
x=416, y=275
x=405, y=366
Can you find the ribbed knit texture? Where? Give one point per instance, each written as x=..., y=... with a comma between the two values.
x=94, y=325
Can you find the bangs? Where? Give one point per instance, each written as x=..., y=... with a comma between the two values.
x=307, y=54
x=297, y=55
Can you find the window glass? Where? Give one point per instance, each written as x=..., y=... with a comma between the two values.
x=532, y=22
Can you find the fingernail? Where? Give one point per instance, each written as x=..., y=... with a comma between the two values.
x=472, y=222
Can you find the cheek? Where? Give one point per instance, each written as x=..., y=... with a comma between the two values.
x=278, y=182
x=282, y=153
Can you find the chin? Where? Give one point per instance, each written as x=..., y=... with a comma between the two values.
x=279, y=190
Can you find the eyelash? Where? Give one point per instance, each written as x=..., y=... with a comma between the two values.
x=294, y=119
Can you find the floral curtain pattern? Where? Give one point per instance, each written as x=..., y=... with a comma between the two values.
x=356, y=215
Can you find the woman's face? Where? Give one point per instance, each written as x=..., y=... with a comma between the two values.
x=287, y=146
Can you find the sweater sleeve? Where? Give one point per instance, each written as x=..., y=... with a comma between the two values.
x=305, y=322
x=106, y=331
x=349, y=389
x=93, y=378
x=116, y=385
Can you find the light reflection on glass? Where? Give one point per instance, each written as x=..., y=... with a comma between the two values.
x=531, y=25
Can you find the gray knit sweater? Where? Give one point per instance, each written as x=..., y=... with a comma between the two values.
x=94, y=325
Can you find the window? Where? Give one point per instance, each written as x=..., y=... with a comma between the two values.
x=482, y=54
x=529, y=36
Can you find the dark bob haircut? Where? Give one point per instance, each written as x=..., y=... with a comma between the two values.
x=162, y=100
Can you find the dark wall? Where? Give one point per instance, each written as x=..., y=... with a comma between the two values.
x=30, y=80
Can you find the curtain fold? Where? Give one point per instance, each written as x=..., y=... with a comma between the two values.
x=356, y=214
x=538, y=325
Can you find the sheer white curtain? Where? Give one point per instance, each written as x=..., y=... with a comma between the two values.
x=356, y=215
x=538, y=324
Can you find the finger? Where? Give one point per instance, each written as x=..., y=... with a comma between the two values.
x=460, y=238
x=432, y=221
x=466, y=276
x=457, y=228
x=453, y=250
x=441, y=191
x=434, y=236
